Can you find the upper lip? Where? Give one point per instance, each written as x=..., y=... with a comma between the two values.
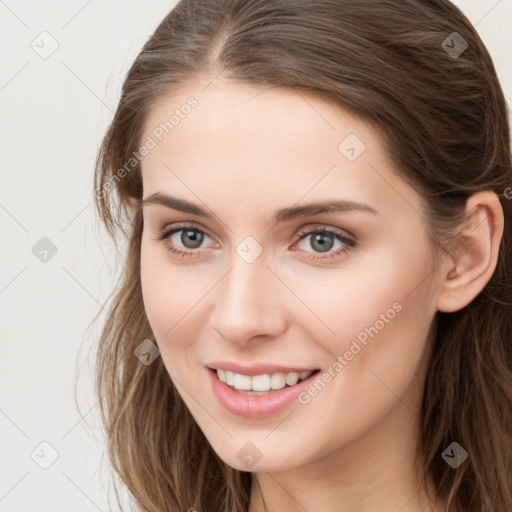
x=257, y=369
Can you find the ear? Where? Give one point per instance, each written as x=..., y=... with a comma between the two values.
x=475, y=254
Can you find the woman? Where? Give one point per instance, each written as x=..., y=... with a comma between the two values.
x=315, y=312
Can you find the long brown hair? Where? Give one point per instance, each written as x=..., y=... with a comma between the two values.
x=441, y=112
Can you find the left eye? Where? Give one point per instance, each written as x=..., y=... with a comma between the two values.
x=323, y=240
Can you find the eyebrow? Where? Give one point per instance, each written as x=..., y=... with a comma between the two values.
x=283, y=215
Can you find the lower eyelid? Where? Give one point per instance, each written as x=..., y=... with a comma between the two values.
x=319, y=256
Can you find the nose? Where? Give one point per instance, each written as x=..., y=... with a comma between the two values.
x=248, y=303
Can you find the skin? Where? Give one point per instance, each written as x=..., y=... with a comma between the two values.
x=243, y=153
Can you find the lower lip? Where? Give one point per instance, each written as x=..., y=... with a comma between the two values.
x=256, y=406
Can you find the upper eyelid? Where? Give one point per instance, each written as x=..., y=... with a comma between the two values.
x=179, y=227
x=323, y=227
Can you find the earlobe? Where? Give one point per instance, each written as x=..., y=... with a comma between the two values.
x=476, y=253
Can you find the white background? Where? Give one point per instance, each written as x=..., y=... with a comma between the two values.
x=53, y=115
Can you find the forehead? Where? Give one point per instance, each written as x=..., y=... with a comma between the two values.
x=259, y=118
x=244, y=142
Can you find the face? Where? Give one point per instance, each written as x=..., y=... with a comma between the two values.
x=348, y=291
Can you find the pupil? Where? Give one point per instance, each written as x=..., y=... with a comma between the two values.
x=323, y=241
x=194, y=236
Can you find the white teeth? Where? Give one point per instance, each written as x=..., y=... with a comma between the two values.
x=304, y=375
x=292, y=378
x=242, y=382
x=278, y=380
x=261, y=383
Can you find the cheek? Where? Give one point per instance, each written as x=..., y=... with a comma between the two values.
x=380, y=308
x=166, y=292
x=175, y=298
x=382, y=324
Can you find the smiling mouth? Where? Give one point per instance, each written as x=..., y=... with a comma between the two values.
x=263, y=384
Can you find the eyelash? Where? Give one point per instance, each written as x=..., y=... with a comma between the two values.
x=348, y=242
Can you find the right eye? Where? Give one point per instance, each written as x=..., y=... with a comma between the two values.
x=188, y=236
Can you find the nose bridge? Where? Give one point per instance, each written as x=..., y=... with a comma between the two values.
x=246, y=302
